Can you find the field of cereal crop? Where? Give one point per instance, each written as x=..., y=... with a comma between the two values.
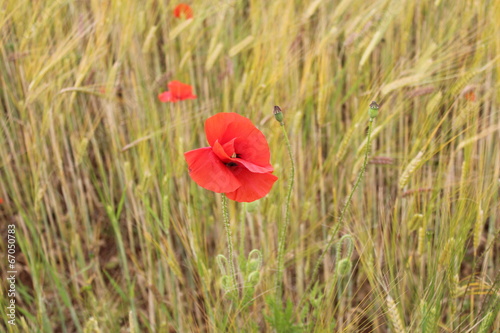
x=381, y=221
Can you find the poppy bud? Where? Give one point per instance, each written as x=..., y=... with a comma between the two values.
x=226, y=283
x=373, y=109
x=254, y=265
x=253, y=278
x=278, y=114
x=344, y=267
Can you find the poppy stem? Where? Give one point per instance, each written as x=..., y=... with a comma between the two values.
x=284, y=226
x=337, y=226
x=227, y=226
x=242, y=234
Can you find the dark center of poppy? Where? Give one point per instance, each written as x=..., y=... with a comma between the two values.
x=232, y=164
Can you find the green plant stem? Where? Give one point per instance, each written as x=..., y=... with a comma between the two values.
x=335, y=230
x=242, y=234
x=284, y=226
x=227, y=226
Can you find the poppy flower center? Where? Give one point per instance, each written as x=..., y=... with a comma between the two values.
x=232, y=164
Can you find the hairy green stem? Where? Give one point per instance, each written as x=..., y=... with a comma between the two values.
x=242, y=233
x=284, y=226
x=227, y=226
x=335, y=230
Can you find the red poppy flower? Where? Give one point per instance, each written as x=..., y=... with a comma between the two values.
x=183, y=9
x=178, y=91
x=1, y=201
x=237, y=161
x=470, y=96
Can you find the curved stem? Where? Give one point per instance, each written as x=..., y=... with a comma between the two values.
x=227, y=226
x=335, y=230
x=284, y=227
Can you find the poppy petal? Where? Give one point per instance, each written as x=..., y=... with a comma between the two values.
x=253, y=185
x=217, y=127
x=470, y=96
x=181, y=90
x=251, y=144
x=221, y=153
x=209, y=172
x=183, y=9
x=229, y=148
x=253, y=167
x=225, y=152
x=253, y=148
x=167, y=97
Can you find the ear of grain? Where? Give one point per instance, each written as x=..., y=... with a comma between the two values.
x=414, y=164
x=240, y=46
x=394, y=316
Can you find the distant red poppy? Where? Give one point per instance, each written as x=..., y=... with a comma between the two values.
x=185, y=9
x=178, y=91
x=470, y=96
x=237, y=161
x=1, y=201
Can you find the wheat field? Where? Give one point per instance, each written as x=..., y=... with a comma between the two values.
x=112, y=234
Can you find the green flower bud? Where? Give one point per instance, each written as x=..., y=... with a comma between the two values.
x=254, y=262
x=278, y=114
x=253, y=265
x=222, y=262
x=373, y=112
x=344, y=267
x=226, y=283
x=253, y=278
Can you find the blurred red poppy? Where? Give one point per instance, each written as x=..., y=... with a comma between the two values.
x=470, y=96
x=1, y=201
x=183, y=9
x=178, y=91
x=237, y=161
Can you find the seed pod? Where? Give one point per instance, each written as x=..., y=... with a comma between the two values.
x=373, y=112
x=278, y=114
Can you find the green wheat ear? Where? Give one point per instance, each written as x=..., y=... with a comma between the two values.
x=429, y=318
x=394, y=316
x=486, y=322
